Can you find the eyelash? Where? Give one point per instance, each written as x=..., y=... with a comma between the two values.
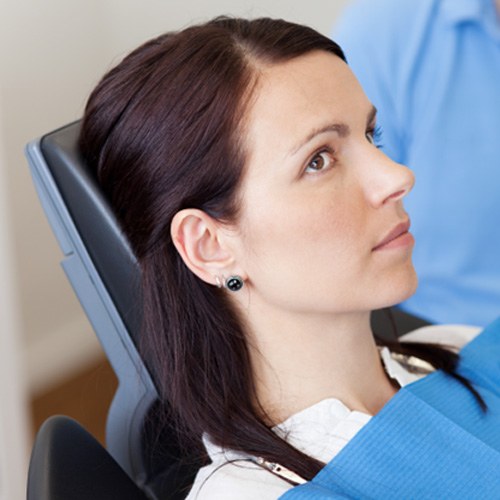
x=317, y=155
x=376, y=136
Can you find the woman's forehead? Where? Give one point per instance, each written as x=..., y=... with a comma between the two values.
x=294, y=98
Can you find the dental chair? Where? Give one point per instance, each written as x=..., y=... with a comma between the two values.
x=103, y=271
x=142, y=460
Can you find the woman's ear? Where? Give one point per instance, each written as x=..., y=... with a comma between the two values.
x=196, y=237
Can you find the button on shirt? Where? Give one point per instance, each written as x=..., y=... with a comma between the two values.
x=432, y=69
x=321, y=431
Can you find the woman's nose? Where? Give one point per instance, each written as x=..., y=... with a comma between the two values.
x=388, y=181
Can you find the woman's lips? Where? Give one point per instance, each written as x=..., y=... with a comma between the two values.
x=397, y=237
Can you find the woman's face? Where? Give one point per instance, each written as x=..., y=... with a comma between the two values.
x=318, y=198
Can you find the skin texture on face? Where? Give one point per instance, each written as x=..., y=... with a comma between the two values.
x=316, y=201
x=318, y=196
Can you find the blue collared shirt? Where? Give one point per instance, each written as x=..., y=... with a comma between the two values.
x=432, y=68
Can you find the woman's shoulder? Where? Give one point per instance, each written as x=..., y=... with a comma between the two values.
x=455, y=336
x=242, y=479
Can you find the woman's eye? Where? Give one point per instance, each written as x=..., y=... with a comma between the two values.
x=322, y=161
x=374, y=135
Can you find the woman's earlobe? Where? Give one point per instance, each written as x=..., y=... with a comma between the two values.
x=196, y=237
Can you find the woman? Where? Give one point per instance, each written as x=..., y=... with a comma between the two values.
x=241, y=159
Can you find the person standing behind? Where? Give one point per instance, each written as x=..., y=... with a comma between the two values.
x=432, y=68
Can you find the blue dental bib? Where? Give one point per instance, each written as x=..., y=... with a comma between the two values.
x=431, y=440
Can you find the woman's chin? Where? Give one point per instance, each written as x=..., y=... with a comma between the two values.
x=398, y=289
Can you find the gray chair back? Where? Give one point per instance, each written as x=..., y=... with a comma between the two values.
x=103, y=271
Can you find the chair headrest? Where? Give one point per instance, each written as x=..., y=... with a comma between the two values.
x=100, y=231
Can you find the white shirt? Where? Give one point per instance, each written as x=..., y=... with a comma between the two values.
x=321, y=431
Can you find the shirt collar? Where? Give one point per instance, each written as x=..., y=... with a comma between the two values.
x=482, y=12
x=458, y=11
x=322, y=429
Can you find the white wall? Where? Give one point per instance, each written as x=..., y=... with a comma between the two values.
x=49, y=58
x=13, y=401
x=133, y=21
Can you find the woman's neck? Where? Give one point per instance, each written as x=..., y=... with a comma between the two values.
x=301, y=360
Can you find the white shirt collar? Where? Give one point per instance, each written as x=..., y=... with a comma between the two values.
x=324, y=428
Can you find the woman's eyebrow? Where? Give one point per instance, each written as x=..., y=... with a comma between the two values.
x=342, y=129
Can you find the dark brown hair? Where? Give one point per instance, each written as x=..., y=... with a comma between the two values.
x=163, y=131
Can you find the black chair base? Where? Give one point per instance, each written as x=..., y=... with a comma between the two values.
x=67, y=463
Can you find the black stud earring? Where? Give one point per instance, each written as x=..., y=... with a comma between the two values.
x=234, y=283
